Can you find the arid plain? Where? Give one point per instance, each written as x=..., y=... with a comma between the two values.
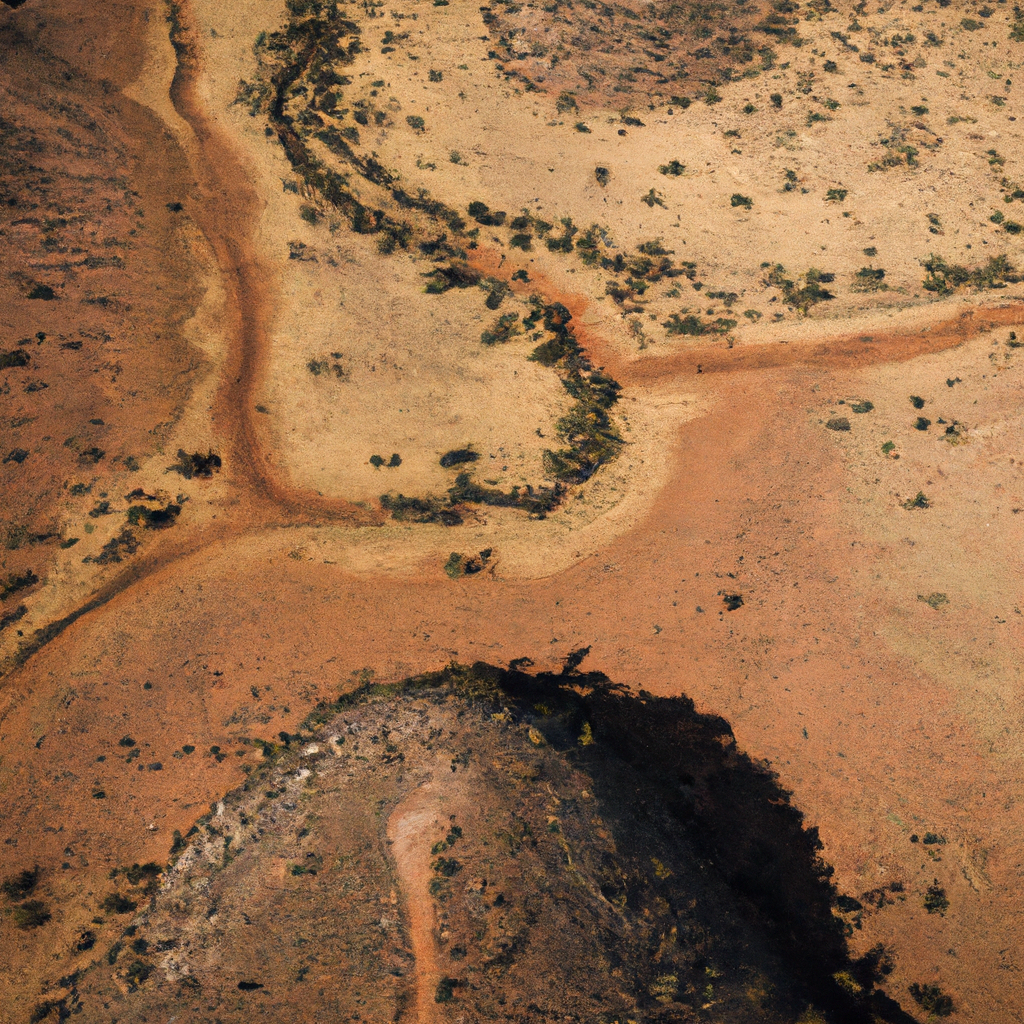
x=340, y=343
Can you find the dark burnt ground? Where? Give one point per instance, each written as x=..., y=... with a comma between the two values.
x=593, y=855
x=633, y=54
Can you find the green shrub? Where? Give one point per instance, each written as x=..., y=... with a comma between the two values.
x=803, y=297
x=416, y=122
x=689, y=324
x=566, y=102
x=869, y=279
x=504, y=329
x=673, y=168
x=30, y=914
x=740, y=200
x=836, y=195
x=918, y=501
x=935, y=901
x=483, y=215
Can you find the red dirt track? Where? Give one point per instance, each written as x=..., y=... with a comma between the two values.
x=832, y=670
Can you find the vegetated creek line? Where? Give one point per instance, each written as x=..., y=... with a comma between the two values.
x=227, y=212
x=228, y=226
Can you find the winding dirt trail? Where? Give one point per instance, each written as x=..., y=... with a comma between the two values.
x=227, y=215
x=410, y=828
x=227, y=210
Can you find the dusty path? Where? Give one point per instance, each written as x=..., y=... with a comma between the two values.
x=412, y=829
x=227, y=208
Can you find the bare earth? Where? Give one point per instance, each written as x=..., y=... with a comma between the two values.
x=850, y=466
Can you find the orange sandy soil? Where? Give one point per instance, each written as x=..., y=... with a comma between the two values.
x=884, y=715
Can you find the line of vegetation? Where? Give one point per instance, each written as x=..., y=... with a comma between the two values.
x=944, y=278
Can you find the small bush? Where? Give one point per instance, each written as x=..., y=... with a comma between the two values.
x=153, y=519
x=838, y=423
x=673, y=168
x=932, y=999
x=694, y=326
x=566, y=102
x=935, y=901
x=195, y=464
x=869, y=279
x=504, y=329
x=776, y=98
x=30, y=914
x=435, y=76
x=416, y=122
x=741, y=200
x=17, y=357
x=922, y=423
x=115, y=903
x=20, y=885
x=602, y=175
x=836, y=195
x=458, y=456
x=861, y=407
x=445, y=990
x=918, y=501
x=482, y=214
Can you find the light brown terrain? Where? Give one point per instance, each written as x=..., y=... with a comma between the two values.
x=209, y=295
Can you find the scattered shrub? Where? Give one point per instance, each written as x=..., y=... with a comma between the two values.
x=918, y=501
x=445, y=990
x=483, y=215
x=932, y=999
x=807, y=295
x=740, y=200
x=30, y=914
x=935, y=900
x=153, y=519
x=838, y=423
x=17, y=357
x=20, y=885
x=115, y=903
x=416, y=122
x=869, y=279
x=458, y=456
x=504, y=329
x=195, y=464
